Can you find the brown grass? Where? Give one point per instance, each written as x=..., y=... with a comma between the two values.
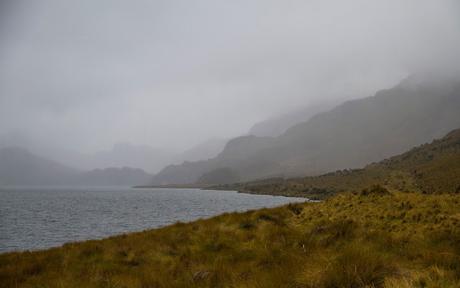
x=372, y=240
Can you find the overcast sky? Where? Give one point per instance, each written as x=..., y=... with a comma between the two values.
x=86, y=74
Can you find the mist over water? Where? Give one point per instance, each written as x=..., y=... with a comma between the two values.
x=115, y=114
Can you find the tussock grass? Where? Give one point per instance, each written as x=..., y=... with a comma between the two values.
x=372, y=239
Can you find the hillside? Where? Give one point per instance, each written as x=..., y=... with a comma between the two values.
x=354, y=134
x=430, y=168
x=278, y=125
x=390, y=240
x=203, y=151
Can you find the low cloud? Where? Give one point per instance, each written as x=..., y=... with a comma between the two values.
x=86, y=74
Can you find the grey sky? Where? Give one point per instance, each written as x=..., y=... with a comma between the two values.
x=86, y=74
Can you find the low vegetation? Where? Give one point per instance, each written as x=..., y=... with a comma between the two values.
x=374, y=238
x=394, y=224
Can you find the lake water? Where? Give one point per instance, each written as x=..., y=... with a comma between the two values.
x=39, y=218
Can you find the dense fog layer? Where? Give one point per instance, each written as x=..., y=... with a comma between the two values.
x=84, y=75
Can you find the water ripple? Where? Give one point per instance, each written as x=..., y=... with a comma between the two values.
x=39, y=218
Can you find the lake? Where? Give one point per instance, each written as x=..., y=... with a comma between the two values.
x=39, y=218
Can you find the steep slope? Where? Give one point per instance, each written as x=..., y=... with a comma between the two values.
x=352, y=135
x=203, y=151
x=430, y=168
x=367, y=130
x=238, y=153
x=278, y=125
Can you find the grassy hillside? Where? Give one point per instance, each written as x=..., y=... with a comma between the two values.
x=404, y=232
x=371, y=239
x=430, y=168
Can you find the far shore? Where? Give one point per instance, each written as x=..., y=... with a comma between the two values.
x=309, y=197
x=177, y=186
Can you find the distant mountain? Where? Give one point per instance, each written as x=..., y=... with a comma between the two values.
x=20, y=167
x=124, y=176
x=351, y=135
x=203, y=151
x=430, y=168
x=120, y=155
x=219, y=176
x=128, y=155
x=145, y=157
x=278, y=125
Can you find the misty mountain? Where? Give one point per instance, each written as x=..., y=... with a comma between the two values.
x=151, y=159
x=18, y=166
x=203, y=151
x=124, y=176
x=145, y=157
x=353, y=134
x=219, y=176
x=125, y=154
x=120, y=155
x=431, y=168
x=278, y=125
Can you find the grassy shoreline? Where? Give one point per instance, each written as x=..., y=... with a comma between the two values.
x=350, y=240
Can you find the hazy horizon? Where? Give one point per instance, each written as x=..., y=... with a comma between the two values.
x=83, y=76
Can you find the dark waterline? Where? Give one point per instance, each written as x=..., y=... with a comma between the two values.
x=39, y=218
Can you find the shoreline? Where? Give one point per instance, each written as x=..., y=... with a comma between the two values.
x=309, y=197
x=300, y=243
x=171, y=222
x=172, y=186
x=152, y=229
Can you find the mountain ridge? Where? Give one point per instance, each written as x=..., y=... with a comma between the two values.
x=431, y=168
x=351, y=135
x=18, y=166
x=276, y=126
